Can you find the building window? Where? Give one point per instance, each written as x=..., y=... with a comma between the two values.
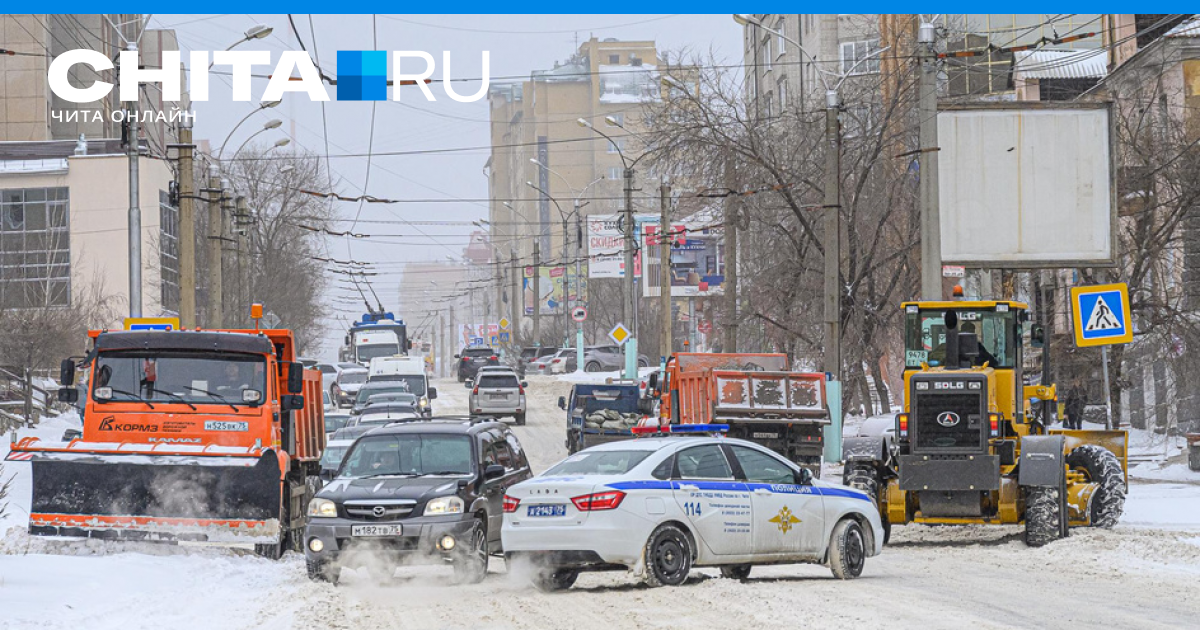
x=615, y=173
x=35, y=248
x=614, y=59
x=853, y=52
x=767, y=105
x=619, y=118
x=168, y=252
x=782, y=94
x=780, y=41
x=616, y=146
x=766, y=45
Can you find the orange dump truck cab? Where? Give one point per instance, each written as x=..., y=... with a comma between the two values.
x=187, y=435
x=755, y=395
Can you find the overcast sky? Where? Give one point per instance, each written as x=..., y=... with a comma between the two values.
x=517, y=45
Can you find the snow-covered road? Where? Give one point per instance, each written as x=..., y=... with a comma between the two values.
x=1140, y=574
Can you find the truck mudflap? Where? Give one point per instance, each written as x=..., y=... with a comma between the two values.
x=146, y=492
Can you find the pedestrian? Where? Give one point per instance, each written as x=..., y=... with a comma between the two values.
x=1074, y=408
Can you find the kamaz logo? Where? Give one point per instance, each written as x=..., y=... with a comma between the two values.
x=948, y=419
x=174, y=440
x=110, y=424
x=949, y=385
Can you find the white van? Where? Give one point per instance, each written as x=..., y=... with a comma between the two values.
x=409, y=370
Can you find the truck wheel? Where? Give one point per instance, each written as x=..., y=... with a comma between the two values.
x=736, y=571
x=573, y=443
x=471, y=566
x=552, y=580
x=323, y=571
x=520, y=418
x=847, y=550
x=270, y=551
x=642, y=363
x=863, y=476
x=668, y=556
x=1194, y=457
x=1103, y=469
x=1043, y=516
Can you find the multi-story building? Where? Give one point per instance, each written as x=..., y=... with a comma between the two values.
x=64, y=197
x=537, y=139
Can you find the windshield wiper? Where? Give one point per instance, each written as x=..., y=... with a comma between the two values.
x=136, y=398
x=176, y=397
x=391, y=474
x=212, y=394
x=443, y=472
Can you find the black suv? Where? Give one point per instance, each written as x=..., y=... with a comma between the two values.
x=471, y=359
x=429, y=490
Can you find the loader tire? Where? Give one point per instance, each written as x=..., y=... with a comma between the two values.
x=864, y=476
x=1043, y=516
x=1103, y=469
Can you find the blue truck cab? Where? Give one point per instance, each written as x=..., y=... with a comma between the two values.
x=599, y=413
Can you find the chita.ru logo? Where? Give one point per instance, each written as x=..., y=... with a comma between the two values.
x=362, y=75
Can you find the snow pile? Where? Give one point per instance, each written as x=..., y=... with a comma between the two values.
x=49, y=429
x=600, y=377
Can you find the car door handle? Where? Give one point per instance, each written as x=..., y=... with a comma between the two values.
x=761, y=491
x=688, y=486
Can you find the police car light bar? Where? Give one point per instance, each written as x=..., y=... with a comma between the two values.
x=681, y=429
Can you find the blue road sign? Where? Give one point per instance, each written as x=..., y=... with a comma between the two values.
x=1101, y=315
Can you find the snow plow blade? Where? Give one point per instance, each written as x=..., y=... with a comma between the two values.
x=153, y=496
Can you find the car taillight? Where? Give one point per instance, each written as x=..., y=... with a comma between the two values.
x=475, y=392
x=557, y=361
x=599, y=501
x=510, y=504
x=902, y=424
x=466, y=359
x=493, y=358
x=994, y=419
x=521, y=390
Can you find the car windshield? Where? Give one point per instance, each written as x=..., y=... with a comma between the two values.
x=414, y=382
x=333, y=421
x=409, y=454
x=209, y=377
x=498, y=380
x=925, y=336
x=371, y=351
x=332, y=457
x=599, y=463
x=352, y=378
x=370, y=389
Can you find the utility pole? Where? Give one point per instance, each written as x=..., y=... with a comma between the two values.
x=216, y=285
x=566, y=310
x=516, y=299
x=187, y=228
x=135, y=208
x=242, y=224
x=833, y=237
x=578, y=284
x=732, y=218
x=931, y=236
x=227, y=206
x=627, y=314
x=665, y=238
x=537, y=293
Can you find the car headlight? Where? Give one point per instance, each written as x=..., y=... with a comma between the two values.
x=322, y=507
x=444, y=505
x=424, y=402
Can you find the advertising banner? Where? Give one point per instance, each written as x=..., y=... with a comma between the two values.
x=697, y=259
x=606, y=245
x=551, y=286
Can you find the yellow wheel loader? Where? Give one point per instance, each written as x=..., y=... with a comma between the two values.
x=972, y=444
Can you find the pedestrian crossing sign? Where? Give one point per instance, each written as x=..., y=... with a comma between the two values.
x=1101, y=315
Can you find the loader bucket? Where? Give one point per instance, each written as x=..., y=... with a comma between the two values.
x=155, y=497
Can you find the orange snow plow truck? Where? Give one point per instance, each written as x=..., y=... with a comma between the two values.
x=208, y=435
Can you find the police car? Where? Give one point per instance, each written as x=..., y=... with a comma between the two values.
x=666, y=503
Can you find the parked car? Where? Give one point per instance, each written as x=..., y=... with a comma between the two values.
x=674, y=503
x=608, y=359
x=334, y=420
x=471, y=359
x=560, y=362
x=530, y=355
x=346, y=385
x=430, y=491
x=497, y=394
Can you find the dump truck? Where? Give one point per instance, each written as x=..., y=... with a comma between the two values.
x=598, y=413
x=188, y=435
x=755, y=394
x=973, y=443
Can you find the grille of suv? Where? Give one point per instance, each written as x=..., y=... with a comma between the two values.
x=381, y=510
x=966, y=434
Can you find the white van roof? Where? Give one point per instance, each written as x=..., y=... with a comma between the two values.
x=397, y=365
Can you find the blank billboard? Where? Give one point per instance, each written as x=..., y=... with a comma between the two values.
x=1026, y=185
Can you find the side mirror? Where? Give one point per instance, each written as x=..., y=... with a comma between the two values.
x=68, y=395
x=524, y=384
x=291, y=402
x=469, y=383
x=432, y=393
x=66, y=373
x=493, y=471
x=562, y=402
x=804, y=477
x=457, y=356
x=326, y=475
x=295, y=378
x=1037, y=336
x=652, y=382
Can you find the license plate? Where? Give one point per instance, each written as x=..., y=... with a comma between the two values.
x=546, y=510
x=375, y=530
x=497, y=396
x=765, y=436
x=222, y=425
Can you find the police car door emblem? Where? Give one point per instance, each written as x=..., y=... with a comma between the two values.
x=785, y=519
x=948, y=419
